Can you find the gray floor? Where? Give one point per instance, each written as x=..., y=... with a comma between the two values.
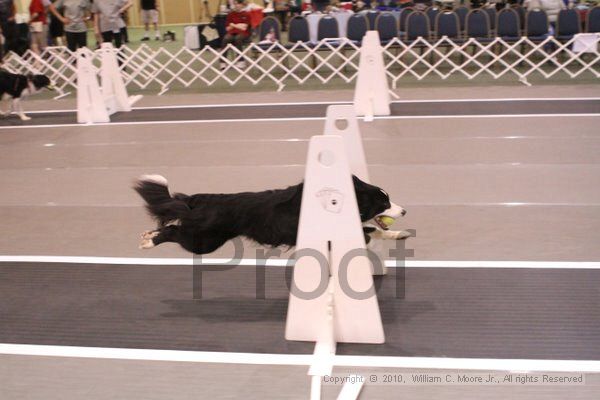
x=475, y=188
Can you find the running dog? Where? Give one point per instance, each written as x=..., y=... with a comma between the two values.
x=16, y=87
x=201, y=223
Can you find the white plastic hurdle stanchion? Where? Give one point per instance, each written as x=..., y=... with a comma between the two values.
x=89, y=108
x=113, y=88
x=372, y=93
x=332, y=298
x=350, y=133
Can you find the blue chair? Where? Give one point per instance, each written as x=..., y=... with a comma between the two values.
x=357, y=27
x=447, y=24
x=593, y=20
x=327, y=28
x=402, y=20
x=371, y=17
x=508, y=25
x=387, y=27
x=432, y=13
x=268, y=24
x=491, y=12
x=567, y=25
x=417, y=25
x=298, y=30
x=462, y=12
x=478, y=26
x=536, y=25
x=522, y=15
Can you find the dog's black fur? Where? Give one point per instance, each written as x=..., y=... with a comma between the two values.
x=204, y=222
x=17, y=86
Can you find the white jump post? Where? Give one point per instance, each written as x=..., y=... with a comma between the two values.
x=341, y=120
x=332, y=298
x=113, y=88
x=95, y=105
x=89, y=109
x=372, y=93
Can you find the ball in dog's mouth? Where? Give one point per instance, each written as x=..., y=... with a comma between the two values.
x=384, y=222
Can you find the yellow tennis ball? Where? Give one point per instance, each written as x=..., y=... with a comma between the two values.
x=388, y=221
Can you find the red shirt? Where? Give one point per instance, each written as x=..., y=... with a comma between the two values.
x=37, y=6
x=235, y=17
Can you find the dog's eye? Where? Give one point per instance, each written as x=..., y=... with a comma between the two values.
x=384, y=193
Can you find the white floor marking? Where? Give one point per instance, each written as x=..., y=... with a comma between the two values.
x=286, y=262
x=303, y=359
x=161, y=122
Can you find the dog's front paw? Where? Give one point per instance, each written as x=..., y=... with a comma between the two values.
x=399, y=235
x=149, y=234
x=24, y=117
x=146, y=244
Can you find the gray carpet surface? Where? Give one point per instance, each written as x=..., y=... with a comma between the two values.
x=433, y=312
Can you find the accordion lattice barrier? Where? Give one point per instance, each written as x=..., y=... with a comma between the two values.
x=327, y=61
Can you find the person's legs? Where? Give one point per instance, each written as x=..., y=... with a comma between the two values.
x=118, y=39
x=146, y=21
x=81, y=39
x=107, y=37
x=76, y=40
x=154, y=15
x=71, y=41
x=238, y=42
x=35, y=42
x=227, y=39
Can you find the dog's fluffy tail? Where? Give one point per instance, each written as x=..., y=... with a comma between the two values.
x=159, y=203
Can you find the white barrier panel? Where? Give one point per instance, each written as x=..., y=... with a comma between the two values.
x=113, y=88
x=372, y=93
x=89, y=108
x=330, y=229
x=341, y=121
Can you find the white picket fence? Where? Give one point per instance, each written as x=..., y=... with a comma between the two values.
x=329, y=60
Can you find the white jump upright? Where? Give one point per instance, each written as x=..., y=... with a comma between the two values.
x=113, y=95
x=332, y=298
x=113, y=87
x=89, y=108
x=372, y=93
x=341, y=121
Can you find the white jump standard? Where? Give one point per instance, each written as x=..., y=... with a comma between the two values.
x=95, y=104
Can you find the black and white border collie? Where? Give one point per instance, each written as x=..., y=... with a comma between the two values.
x=16, y=87
x=201, y=223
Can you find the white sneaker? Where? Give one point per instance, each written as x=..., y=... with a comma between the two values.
x=241, y=64
x=222, y=66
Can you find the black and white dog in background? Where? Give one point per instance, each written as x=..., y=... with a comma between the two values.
x=16, y=87
x=201, y=223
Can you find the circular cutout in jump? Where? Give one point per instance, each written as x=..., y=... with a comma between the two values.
x=341, y=124
x=327, y=158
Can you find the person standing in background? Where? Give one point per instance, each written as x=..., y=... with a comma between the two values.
x=8, y=27
x=150, y=14
x=237, y=25
x=38, y=25
x=74, y=16
x=107, y=19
